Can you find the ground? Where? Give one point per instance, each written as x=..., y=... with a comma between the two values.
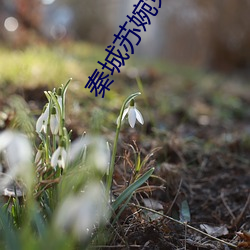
x=197, y=123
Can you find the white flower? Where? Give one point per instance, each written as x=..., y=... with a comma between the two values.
x=54, y=121
x=59, y=99
x=59, y=157
x=133, y=114
x=42, y=122
x=39, y=155
x=98, y=152
x=17, y=152
x=79, y=214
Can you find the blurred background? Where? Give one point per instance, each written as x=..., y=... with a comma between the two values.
x=195, y=54
x=193, y=62
x=212, y=34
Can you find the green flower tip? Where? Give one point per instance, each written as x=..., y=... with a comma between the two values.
x=53, y=111
x=132, y=103
x=59, y=91
x=45, y=107
x=62, y=143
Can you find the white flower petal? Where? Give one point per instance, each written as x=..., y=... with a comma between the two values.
x=38, y=156
x=77, y=148
x=79, y=214
x=44, y=127
x=139, y=116
x=42, y=121
x=125, y=112
x=101, y=155
x=132, y=117
x=18, y=155
x=19, y=151
x=54, y=124
x=55, y=156
x=63, y=158
x=59, y=99
x=39, y=123
x=5, y=139
x=46, y=113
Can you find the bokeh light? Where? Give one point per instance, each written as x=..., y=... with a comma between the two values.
x=47, y=2
x=11, y=24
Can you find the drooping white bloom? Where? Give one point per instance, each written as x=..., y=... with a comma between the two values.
x=133, y=114
x=59, y=99
x=98, y=152
x=79, y=214
x=59, y=157
x=39, y=154
x=54, y=121
x=42, y=122
x=17, y=152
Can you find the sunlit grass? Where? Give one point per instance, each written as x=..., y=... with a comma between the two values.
x=48, y=65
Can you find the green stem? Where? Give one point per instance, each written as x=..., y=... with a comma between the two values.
x=112, y=164
x=52, y=95
x=65, y=87
x=47, y=140
x=54, y=142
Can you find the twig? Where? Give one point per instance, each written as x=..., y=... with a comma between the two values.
x=185, y=242
x=184, y=224
x=116, y=246
x=227, y=207
x=239, y=217
x=175, y=198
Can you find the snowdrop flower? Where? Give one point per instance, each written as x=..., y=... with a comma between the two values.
x=133, y=114
x=39, y=154
x=59, y=96
x=17, y=152
x=59, y=99
x=54, y=121
x=59, y=157
x=42, y=122
x=98, y=152
x=79, y=214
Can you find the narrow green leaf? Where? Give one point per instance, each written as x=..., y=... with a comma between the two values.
x=39, y=222
x=122, y=209
x=138, y=163
x=10, y=236
x=128, y=191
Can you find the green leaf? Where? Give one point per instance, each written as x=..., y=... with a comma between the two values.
x=128, y=191
x=185, y=212
x=10, y=236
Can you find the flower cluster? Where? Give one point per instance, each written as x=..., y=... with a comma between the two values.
x=73, y=179
x=50, y=116
x=51, y=130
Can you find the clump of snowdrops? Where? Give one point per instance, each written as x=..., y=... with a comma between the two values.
x=61, y=190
